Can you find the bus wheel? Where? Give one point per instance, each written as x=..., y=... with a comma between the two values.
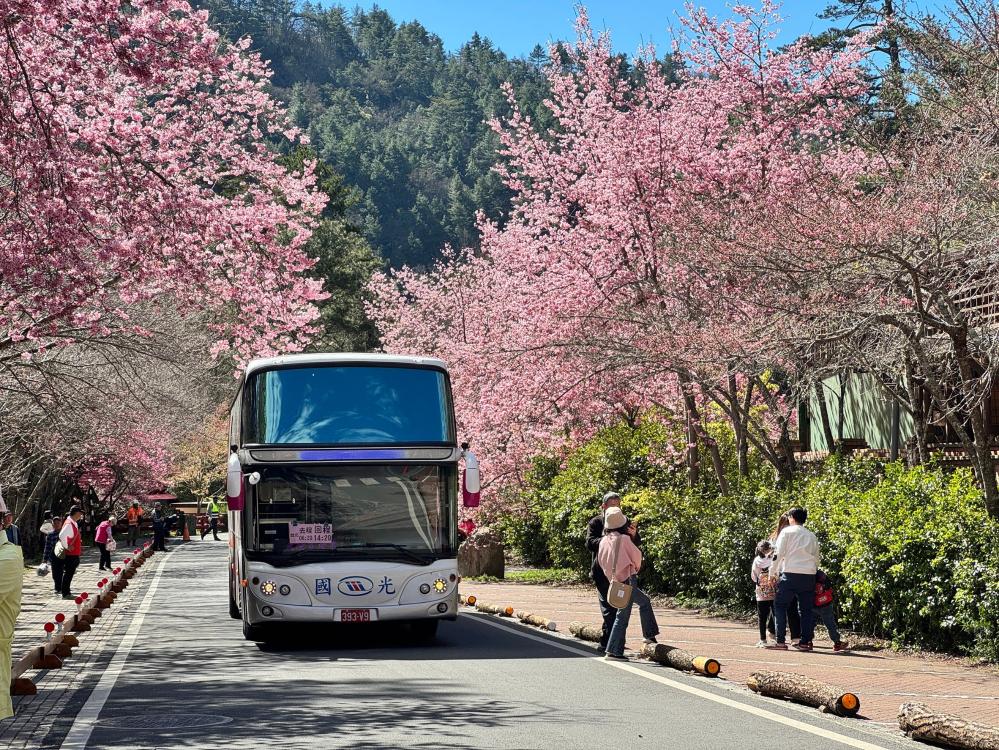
x=424, y=631
x=233, y=606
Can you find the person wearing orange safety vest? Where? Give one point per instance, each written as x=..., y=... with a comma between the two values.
x=72, y=543
x=134, y=519
x=11, y=578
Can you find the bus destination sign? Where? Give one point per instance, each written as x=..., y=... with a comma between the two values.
x=311, y=533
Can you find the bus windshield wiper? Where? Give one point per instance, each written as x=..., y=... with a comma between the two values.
x=411, y=554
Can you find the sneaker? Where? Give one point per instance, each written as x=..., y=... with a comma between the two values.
x=761, y=644
x=803, y=646
x=615, y=657
x=68, y=596
x=777, y=647
x=841, y=646
x=649, y=640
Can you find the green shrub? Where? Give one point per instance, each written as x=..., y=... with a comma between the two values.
x=911, y=551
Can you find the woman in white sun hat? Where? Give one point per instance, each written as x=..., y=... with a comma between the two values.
x=620, y=561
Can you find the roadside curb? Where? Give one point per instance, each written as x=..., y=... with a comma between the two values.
x=528, y=618
x=60, y=632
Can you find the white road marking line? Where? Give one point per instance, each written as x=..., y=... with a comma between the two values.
x=754, y=710
x=341, y=482
x=83, y=724
x=368, y=481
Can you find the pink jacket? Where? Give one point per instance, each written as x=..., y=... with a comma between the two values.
x=103, y=532
x=629, y=557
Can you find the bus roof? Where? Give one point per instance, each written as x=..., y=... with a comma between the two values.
x=341, y=358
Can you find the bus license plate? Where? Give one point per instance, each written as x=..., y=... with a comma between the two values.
x=357, y=615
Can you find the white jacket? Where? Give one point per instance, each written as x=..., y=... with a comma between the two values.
x=797, y=551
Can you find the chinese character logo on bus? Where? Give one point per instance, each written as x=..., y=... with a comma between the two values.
x=323, y=586
x=386, y=587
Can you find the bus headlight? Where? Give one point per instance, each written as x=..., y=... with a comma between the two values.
x=424, y=588
x=440, y=586
x=268, y=588
x=285, y=589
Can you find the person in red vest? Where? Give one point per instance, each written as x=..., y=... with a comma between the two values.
x=72, y=542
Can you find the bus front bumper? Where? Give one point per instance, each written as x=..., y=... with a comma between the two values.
x=266, y=612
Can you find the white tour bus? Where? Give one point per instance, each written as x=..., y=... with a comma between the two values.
x=343, y=492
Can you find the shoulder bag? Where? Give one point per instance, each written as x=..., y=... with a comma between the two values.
x=618, y=594
x=59, y=550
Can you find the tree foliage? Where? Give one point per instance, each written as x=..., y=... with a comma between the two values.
x=388, y=108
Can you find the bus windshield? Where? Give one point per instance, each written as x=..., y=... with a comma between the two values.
x=368, y=512
x=350, y=405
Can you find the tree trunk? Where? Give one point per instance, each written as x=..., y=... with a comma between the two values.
x=785, y=455
x=529, y=618
x=827, y=431
x=844, y=381
x=738, y=424
x=805, y=690
x=701, y=434
x=693, y=456
x=917, y=721
x=586, y=632
x=920, y=419
x=680, y=659
x=985, y=465
x=981, y=455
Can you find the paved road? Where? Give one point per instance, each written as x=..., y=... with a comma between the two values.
x=186, y=678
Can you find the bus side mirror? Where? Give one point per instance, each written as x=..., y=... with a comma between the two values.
x=234, y=483
x=471, y=484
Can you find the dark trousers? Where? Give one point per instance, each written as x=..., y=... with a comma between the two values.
x=793, y=620
x=764, y=610
x=57, y=567
x=213, y=526
x=133, y=535
x=105, y=556
x=70, y=564
x=159, y=535
x=607, y=612
x=802, y=586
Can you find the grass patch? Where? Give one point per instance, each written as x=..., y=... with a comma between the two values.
x=540, y=576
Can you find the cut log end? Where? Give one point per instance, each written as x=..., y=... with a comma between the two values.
x=801, y=689
x=677, y=658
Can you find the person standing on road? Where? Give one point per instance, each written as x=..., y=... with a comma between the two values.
x=105, y=541
x=620, y=560
x=795, y=561
x=72, y=542
x=159, y=528
x=793, y=619
x=134, y=516
x=594, y=535
x=55, y=563
x=765, y=587
x=823, y=607
x=13, y=533
x=11, y=579
x=213, y=519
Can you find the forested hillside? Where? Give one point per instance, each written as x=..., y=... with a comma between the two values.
x=403, y=121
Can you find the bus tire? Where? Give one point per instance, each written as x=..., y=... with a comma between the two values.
x=424, y=631
x=234, y=612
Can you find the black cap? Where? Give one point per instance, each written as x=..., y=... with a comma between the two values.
x=75, y=509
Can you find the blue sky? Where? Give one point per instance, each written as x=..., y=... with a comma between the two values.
x=515, y=26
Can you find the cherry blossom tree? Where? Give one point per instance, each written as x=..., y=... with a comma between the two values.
x=632, y=272
x=136, y=166
x=150, y=239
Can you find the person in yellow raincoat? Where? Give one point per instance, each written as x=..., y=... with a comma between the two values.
x=11, y=577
